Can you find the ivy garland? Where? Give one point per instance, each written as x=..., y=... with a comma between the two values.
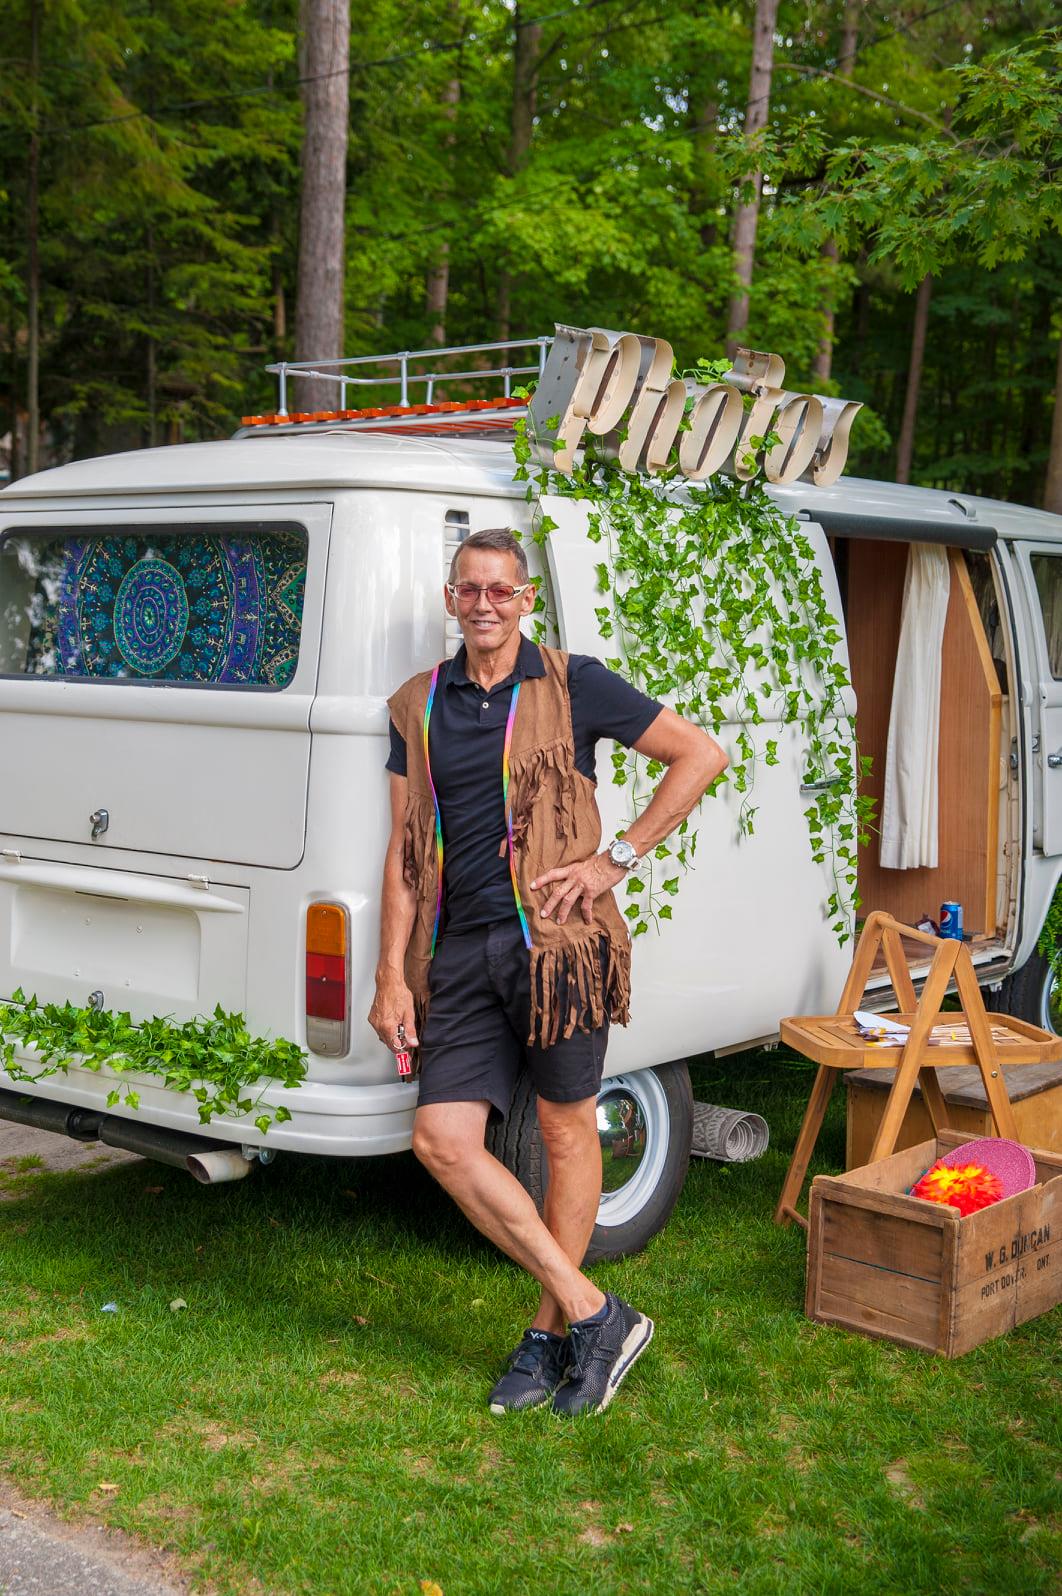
x=216, y=1060
x=715, y=600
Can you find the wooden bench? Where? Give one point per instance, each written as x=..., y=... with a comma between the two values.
x=969, y=1037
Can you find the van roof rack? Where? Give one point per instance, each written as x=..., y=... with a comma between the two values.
x=419, y=372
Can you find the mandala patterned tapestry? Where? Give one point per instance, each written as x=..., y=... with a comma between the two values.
x=183, y=608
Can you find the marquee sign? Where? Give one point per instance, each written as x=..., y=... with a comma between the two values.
x=620, y=387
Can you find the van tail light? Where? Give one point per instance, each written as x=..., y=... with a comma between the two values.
x=328, y=979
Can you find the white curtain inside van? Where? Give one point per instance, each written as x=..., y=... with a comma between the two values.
x=909, y=806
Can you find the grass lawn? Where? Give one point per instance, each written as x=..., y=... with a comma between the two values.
x=315, y=1421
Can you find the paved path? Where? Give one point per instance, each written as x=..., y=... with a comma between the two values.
x=55, y=1152
x=42, y=1556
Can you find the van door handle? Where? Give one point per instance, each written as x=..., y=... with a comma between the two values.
x=1055, y=761
x=831, y=781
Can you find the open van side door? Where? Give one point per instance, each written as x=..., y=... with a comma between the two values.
x=1040, y=572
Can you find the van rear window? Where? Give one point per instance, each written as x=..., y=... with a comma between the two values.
x=178, y=604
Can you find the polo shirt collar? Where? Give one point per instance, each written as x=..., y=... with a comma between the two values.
x=528, y=665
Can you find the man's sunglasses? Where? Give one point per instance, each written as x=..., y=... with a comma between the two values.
x=497, y=592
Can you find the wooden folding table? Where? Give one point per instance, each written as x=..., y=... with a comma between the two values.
x=935, y=1040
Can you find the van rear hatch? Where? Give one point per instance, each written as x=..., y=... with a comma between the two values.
x=157, y=672
x=149, y=944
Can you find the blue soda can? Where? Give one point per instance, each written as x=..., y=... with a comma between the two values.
x=951, y=920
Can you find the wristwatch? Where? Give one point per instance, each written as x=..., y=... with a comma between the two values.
x=622, y=853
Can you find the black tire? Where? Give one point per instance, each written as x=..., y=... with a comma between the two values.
x=659, y=1104
x=1033, y=993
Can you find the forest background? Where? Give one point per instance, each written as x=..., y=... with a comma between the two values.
x=873, y=192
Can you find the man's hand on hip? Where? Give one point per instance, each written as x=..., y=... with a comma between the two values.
x=580, y=883
x=392, y=1008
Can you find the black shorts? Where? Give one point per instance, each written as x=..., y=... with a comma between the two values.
x=473, y=1045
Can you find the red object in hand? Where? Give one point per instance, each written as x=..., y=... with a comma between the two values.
x=404, y=1064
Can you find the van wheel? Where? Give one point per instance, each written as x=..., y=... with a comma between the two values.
x=645, y=1123
x=1033, y=993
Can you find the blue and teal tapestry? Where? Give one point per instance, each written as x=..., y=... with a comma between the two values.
x=185, y=608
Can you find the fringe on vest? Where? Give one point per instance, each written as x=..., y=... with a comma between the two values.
x=593, y=979
x=528, y=776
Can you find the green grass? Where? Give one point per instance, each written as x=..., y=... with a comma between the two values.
x=315, y=1420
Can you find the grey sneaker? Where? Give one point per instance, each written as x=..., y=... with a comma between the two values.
x=535, y=1370
x=602, y=1354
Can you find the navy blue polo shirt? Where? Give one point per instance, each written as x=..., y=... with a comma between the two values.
x=466, y=739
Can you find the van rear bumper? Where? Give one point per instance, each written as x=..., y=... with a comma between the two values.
x=333, y=1121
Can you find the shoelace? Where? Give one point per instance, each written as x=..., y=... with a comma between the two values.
x=530, y=1357
x=583, y=1351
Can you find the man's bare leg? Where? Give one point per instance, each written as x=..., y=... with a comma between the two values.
x=573, y=1194
x=448, y=1138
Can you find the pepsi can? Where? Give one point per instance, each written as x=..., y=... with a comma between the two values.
x=951, y=920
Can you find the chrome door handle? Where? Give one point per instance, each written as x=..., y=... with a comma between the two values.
x=1055, y=761
x=833, y=781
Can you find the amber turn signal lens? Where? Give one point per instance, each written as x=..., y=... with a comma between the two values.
x=326, y=929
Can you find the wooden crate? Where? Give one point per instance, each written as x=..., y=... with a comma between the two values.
x=1035, y=1092
x=885, y=1264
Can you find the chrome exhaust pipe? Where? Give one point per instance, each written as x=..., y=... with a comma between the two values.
x=211, y=1162
x=177, y=1148
x=222, y=1163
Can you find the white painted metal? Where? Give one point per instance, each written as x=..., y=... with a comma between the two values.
x=747, y=944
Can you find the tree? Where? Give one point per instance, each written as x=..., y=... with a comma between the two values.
x=747, y=216
x=325, y=61
x=988, y=188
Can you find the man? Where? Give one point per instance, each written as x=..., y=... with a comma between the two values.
x=502, y=946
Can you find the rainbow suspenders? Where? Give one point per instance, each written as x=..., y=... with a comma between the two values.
x=510, y=723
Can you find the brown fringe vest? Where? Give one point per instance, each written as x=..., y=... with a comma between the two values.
x=555, y=822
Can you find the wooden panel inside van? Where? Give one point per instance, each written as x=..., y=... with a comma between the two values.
x=968, y=770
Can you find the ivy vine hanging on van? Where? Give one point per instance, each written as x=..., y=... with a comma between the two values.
x=714, y=599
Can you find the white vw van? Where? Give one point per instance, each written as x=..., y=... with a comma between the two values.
x=196, y=644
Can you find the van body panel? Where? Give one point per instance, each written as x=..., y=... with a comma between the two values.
x=151, y=945
x=697, y=982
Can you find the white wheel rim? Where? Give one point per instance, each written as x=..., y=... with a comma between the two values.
x=643, y=1090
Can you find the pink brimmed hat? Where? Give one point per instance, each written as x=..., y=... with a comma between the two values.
x=1009, y=1161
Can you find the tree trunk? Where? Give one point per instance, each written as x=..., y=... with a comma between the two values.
x=438, y=285
x=14, y=458
x=823, y=364
x=279, y=297
x=526, y=52
x=325, y=26
x=152, y=353
x=33, y=279
x=747, y=217
x=1053, y=485
x=905, y=444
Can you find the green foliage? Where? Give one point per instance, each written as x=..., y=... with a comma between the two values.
x=714, y=600
x=170, y=188
x=985, y=189
x=315, y=1420
x=216, y=1060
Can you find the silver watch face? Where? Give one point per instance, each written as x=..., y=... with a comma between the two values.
x=622, y=853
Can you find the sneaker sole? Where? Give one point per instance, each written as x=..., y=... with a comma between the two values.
x=500, y=1408
x=635, y=1344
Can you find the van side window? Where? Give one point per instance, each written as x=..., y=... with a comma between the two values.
x=178, y=604
x=1047, y=571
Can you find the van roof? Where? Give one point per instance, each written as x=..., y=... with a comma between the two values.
x=337, y=458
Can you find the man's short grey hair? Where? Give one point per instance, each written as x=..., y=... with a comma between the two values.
x=494, y=537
